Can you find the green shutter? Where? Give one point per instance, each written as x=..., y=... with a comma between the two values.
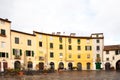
x=13, y=51
x=32, y=53
x=0, y=54
x=20, y=52
x=26, y=53
x=7, y=55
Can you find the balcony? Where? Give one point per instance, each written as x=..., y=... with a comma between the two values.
x=98, y=59
x=41, y=58
x=17, y=57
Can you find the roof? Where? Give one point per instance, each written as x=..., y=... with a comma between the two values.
x=22, y=32
x=112, y=47
x=84, y=37
x=5, y=20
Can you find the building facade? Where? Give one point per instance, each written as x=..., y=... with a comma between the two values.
x=111, y=58
x=40, y=51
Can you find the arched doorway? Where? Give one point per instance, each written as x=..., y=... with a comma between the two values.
x=88, y=66
x=107, y=66
x=98, y=65
x=41, y=66
x=79, y=66
x=61, y=65
x=118, y=65
x=17, y=65
x=70, y=66
x=52, y=66
x=30, y=65
x=5, y=65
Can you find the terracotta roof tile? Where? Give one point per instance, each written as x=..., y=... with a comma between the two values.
x=112, y=47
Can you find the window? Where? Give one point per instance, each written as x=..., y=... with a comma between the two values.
x=51, y=38
x=88, y=40
x=2, y=22
x=3, y=54
x=60, y=46
x=97, y=48
x=29, y=42
x=29, y=53
x=78, y=41
x=3, y=44
x=117, y=52
x=97, y=41
x=69, y=47
x=113, y=58
x=17, y=52
x=16, y=40
x=70, y=56
x=40, y=44
x=51, y=45
x=88, y=48
x=60, y=39
x=79, y=56
x=51, y=54
x=79, y=47
x=98, y=55
x=107, y=59
x=107, y=52
x=69, y=40
x=88, y=56
x=3, y=32
x=61, y=55
x=40, y=36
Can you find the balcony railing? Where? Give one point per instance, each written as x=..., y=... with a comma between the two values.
x=98, y=59
x=41, y=58
x=17, y=57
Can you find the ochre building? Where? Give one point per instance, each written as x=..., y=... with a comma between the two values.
x=39, y=51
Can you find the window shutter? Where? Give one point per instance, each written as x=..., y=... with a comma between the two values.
x=32, y=53
x=7, y=55
x=0, y=54
x=26, y=53
x=90, y=47
x=20, y=52
x=13, y=51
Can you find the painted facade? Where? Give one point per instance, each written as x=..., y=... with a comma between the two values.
x=111, y=58
x=39, y=51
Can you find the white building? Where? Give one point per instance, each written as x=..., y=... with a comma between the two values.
x=98, y=51
x=111, y=57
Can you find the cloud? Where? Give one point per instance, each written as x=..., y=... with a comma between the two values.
x=79, y=16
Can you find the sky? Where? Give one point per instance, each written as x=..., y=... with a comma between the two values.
x=82, y=17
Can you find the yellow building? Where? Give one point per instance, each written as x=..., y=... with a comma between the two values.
x=39, y=51
x=66, y=52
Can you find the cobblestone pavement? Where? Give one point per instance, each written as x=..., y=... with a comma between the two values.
x=69, y=75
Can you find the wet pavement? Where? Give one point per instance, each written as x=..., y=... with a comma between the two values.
x=69, y=75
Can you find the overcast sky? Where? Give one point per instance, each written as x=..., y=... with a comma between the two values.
x=82, y=17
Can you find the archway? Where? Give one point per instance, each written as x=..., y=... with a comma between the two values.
x=61, y=65
x=30, y=65
x=70, y=66
x=5, y=65
x=118, y=65
x=79, y=66
x=107, y=66
x=17, y=65
x=88, y=66
x=52, y=66
x=41, y=66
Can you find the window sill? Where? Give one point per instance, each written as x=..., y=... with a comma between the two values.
x=2, y=35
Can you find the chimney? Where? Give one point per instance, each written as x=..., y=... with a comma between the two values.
x=72, y=34
x=58, y=33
